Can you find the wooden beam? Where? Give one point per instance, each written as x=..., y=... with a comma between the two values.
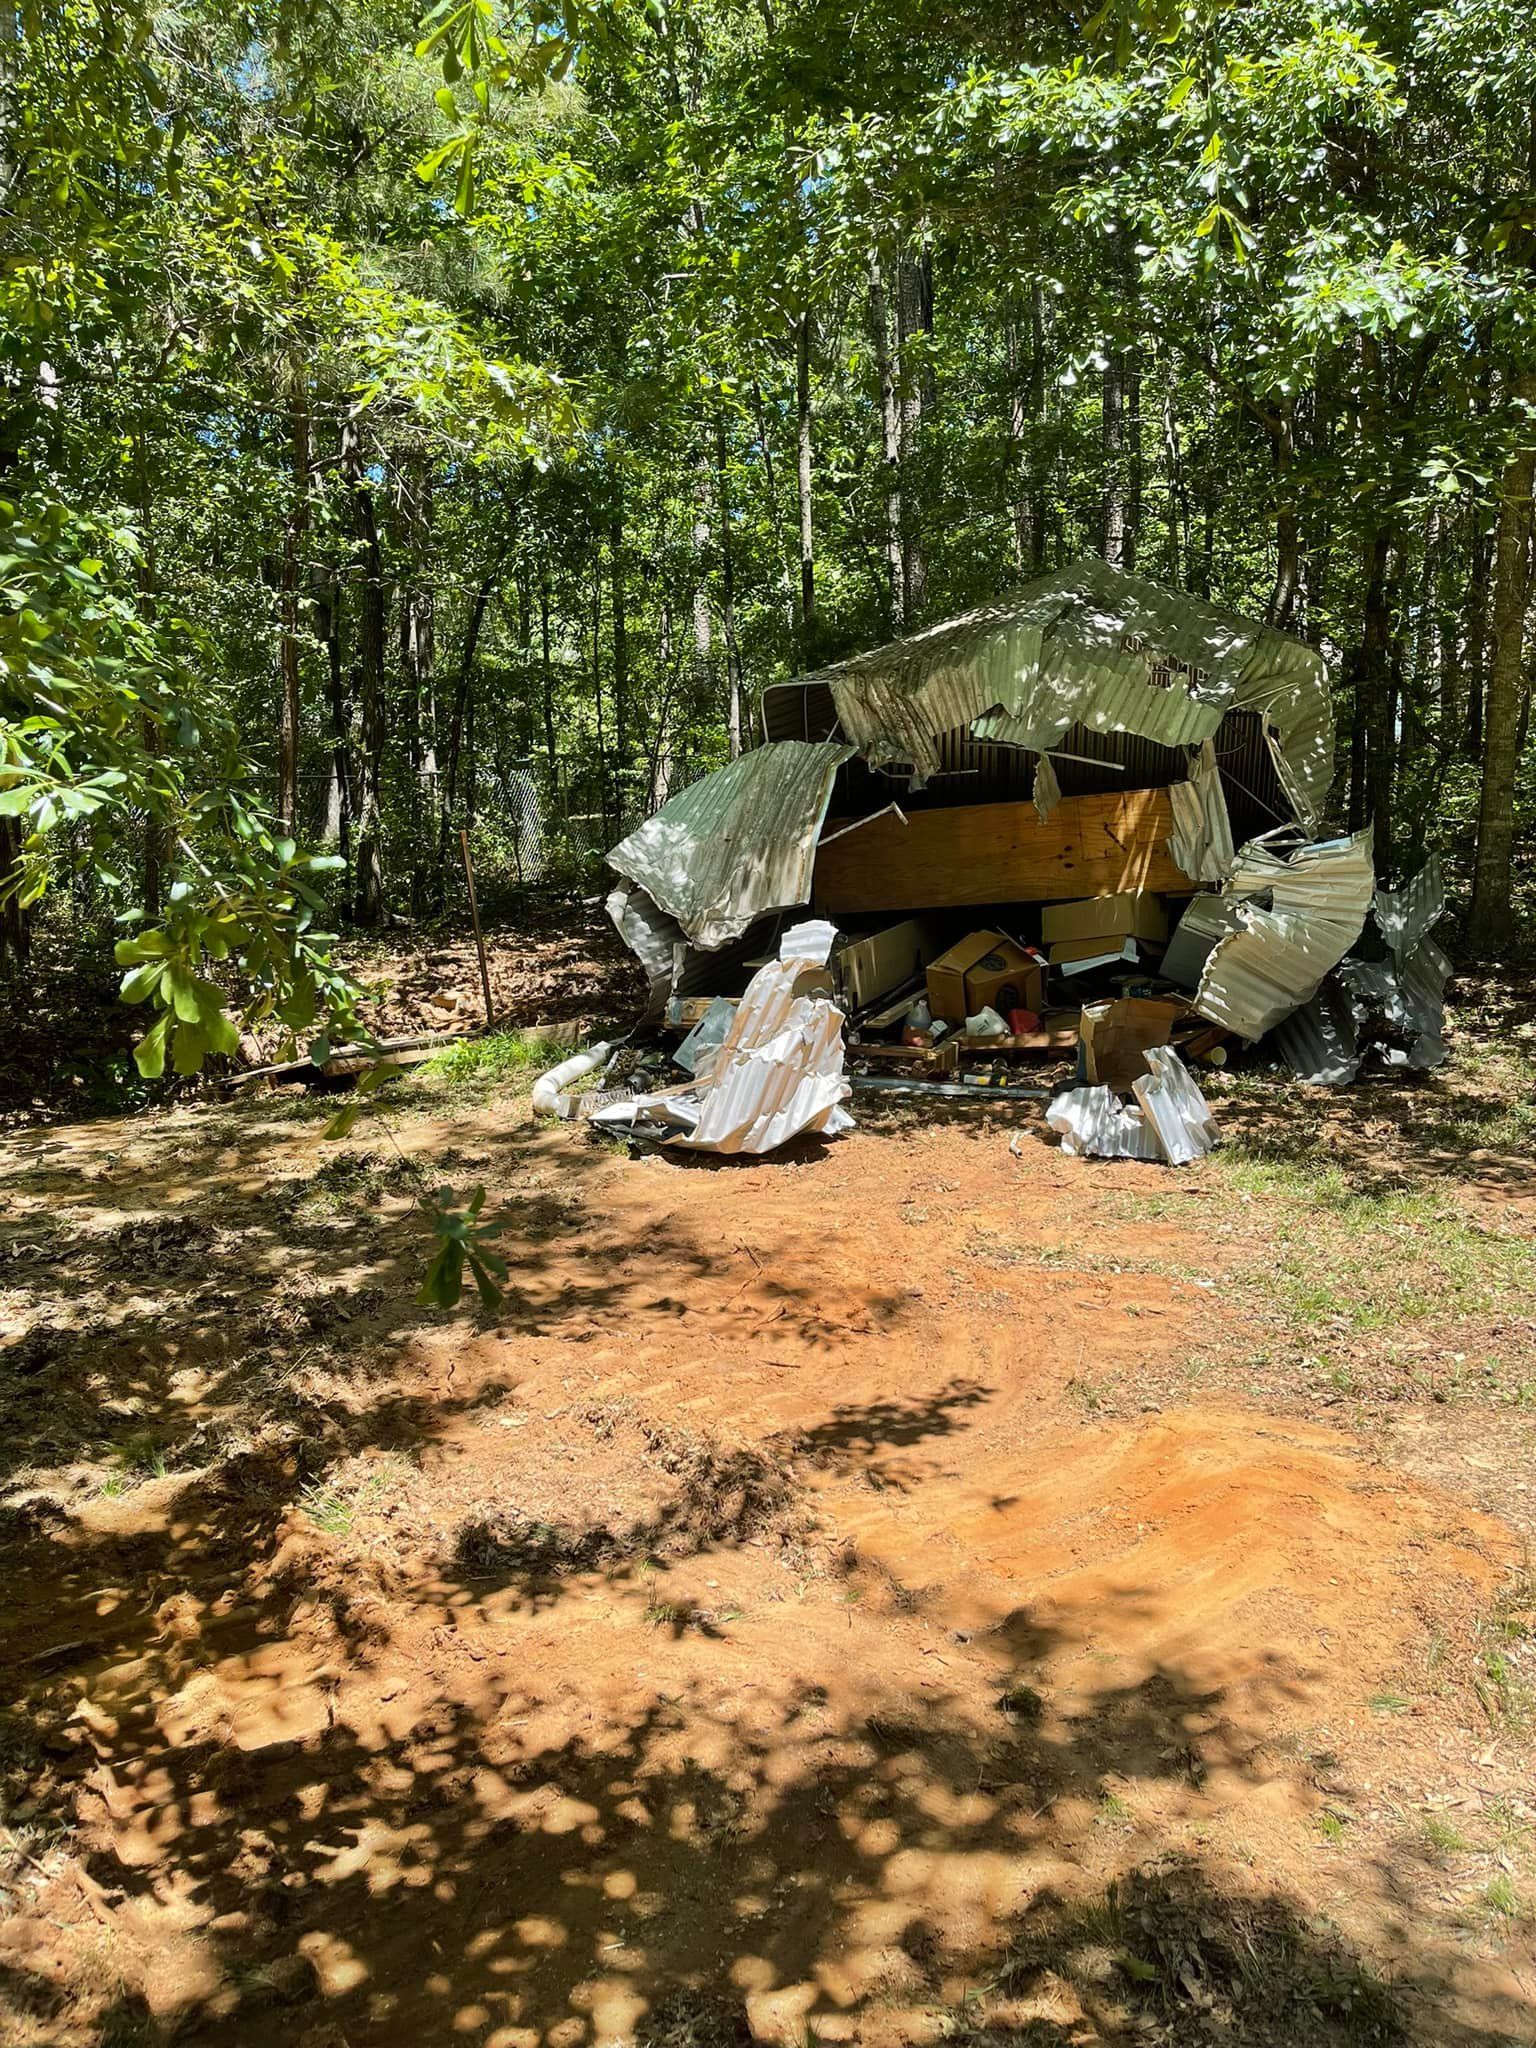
x=1002, y=853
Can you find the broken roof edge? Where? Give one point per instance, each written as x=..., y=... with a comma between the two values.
x=1075, y=644
x=737, y=844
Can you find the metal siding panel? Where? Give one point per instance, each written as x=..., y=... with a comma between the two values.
x=741, y=842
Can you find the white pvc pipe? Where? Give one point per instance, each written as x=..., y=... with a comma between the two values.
x=549, y=1088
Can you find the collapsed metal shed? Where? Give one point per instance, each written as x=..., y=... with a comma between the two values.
x=1092, y=734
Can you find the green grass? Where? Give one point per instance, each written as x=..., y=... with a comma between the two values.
x=1501, y=1897
x=335, y=1508
x=501, y=1059
x=1443, y=1838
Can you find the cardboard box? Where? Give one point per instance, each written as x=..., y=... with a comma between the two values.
x=868, y=968
x=985, y=967
x=1131, y=915
x=1116, y=1036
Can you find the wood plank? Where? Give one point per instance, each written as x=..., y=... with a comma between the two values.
x=1002, y=853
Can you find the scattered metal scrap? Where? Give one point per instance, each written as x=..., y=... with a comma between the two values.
x=777, y=1072
x=1170, y=1119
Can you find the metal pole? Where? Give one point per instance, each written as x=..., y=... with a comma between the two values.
x=474, y=918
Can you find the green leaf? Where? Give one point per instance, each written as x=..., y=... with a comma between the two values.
x=149, y=1053
x=341, y=1123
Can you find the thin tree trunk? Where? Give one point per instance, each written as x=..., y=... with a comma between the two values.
x=418, y=626
x=1112, y=521
x=369, y=678
x=597, y=687
x=620, y=666
x=1135, y=467
x=890, y=445
x=803, y=482
x=1370, y=741
x=325, y=600
x=728, y=592
x=1491, y=920
x=1479, y=572
x=295, y=527
x=910, y=387
x=463, y=699
x=1178, y=493
x=775, y=513
x=704, y=695
x=1282, y=596
x=546, y=676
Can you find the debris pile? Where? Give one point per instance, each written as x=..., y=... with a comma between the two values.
x=1104, y=869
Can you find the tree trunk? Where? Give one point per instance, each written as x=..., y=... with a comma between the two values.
x=775, y=513
x=1177, y=513
x=418, y=628
x=803, y=483
x=620, y=667
x=369, y=678
x=463, y=698
x=1491, y=921
x=546, y=677
x=728, y=589
x=890, y=446
x=295, y=527
x=1112, y=523
x=1370, y=782
x=1478, y=573
x=911, y=382
x=1282, y=596
x=704, y=695
x=325, y=601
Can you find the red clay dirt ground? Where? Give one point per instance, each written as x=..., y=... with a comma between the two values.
x=873, y=1594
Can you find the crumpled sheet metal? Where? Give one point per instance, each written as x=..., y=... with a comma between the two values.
x=1201, y=839
x=655, y=939
x=1094, y=1122
x=1169, y=1120
x=1406, y=916
x=1173, y=1105
x=1319, y=1041
x=1081, y=646
x=737, y=844
x=778, y=1072
x=1409, y=998
x=1276, y=960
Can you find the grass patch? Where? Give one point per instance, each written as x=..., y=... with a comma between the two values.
x=1443, y=1838
x=501, y=1059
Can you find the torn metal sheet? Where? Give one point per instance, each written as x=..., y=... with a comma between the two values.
x=1319, y=1041
x=655, y=939
x=1095, y=1122
x=1201, y=839
x=1173, y=1105
x=1093, y=646
x=1408, y=999
x=1276, y=959
x=1047, y=790
x=737, y=844
x=1206, y=919
x=1406, y=916
x=778, y=1071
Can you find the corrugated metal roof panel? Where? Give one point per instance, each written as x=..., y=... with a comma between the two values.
x=741, y=842
x=1406, y=915
x=1091, y=645
x=1277, y=958
x=1318, y=1041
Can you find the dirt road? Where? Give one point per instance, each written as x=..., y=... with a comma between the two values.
x=822, y=1605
